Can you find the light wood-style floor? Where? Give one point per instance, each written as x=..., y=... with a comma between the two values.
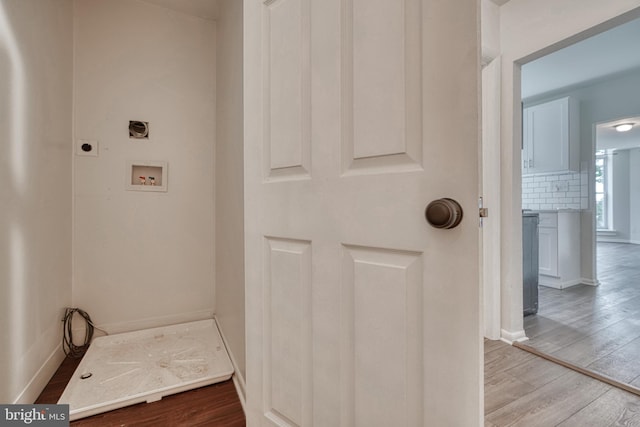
x=595, y=327
x=524, y=390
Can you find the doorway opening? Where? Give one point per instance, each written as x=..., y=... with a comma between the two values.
x=581, y=187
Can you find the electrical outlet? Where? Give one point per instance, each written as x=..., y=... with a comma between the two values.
x=85, y=147
x=557, y=186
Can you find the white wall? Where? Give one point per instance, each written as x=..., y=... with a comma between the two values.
x=621, y=194
x=625, y=174
x=490, y=30
x=35, y=191
x=634, y=195
x=612, y=99
x=230, y=180
x=530, y=29
x=144, y=259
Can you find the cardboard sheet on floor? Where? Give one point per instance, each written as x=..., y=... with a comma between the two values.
x=143, y=366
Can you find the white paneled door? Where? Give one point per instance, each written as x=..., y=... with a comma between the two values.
x=358, y=113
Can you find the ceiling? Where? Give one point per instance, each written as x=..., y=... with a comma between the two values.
x=611, y=52
x=207, y=9
x=608, y=138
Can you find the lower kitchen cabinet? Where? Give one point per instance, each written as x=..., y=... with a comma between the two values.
x=559, y=249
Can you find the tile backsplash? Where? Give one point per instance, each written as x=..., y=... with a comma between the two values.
x=557, y=191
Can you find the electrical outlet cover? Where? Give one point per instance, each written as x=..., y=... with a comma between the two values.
x=85, y=147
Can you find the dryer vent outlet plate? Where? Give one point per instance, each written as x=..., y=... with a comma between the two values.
x=85, y=147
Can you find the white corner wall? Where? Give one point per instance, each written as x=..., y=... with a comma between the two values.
x=35, y=191
x=490, y=30
x=529, y=29
x=621, y=194
x=230, y=180
x=634, y=195
x=625, y=171
x=143, y=259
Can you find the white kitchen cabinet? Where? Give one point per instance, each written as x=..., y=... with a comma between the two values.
x=551, y=137
x=559, y=249
x=548, y=251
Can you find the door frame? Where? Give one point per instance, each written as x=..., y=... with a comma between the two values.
x=490, y=166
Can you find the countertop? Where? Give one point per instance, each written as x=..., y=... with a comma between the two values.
x=552, y=210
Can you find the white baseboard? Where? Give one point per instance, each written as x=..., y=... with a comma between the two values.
x=148, y=323
x=590, y=282
x=511, y=337
x=238, y=381
x=557, y=284
x=238, y=378
x=41, y=378
x=610, y=240
x=613, y=240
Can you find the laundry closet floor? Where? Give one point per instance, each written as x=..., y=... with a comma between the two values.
x=214, y=405
x=209, y=405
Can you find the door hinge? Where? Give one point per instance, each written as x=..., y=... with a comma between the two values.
x=482, y=211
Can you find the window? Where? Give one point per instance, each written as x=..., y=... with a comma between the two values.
x=602, y=190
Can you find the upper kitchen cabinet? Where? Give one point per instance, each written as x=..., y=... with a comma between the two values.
x=551, y=137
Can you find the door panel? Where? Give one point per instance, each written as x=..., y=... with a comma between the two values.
x=286, y=97
x=358, y=312
x=382, y=336
x=287, y=329
x=381, y=128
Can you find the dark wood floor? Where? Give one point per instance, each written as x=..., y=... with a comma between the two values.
x=524, y=390
x=595, y=327
x=215, y=405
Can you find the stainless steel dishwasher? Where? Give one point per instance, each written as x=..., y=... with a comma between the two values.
x=530, y=262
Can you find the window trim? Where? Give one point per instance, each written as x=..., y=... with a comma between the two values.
x=607, y=215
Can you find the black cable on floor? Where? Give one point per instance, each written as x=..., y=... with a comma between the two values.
x=70, y=349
